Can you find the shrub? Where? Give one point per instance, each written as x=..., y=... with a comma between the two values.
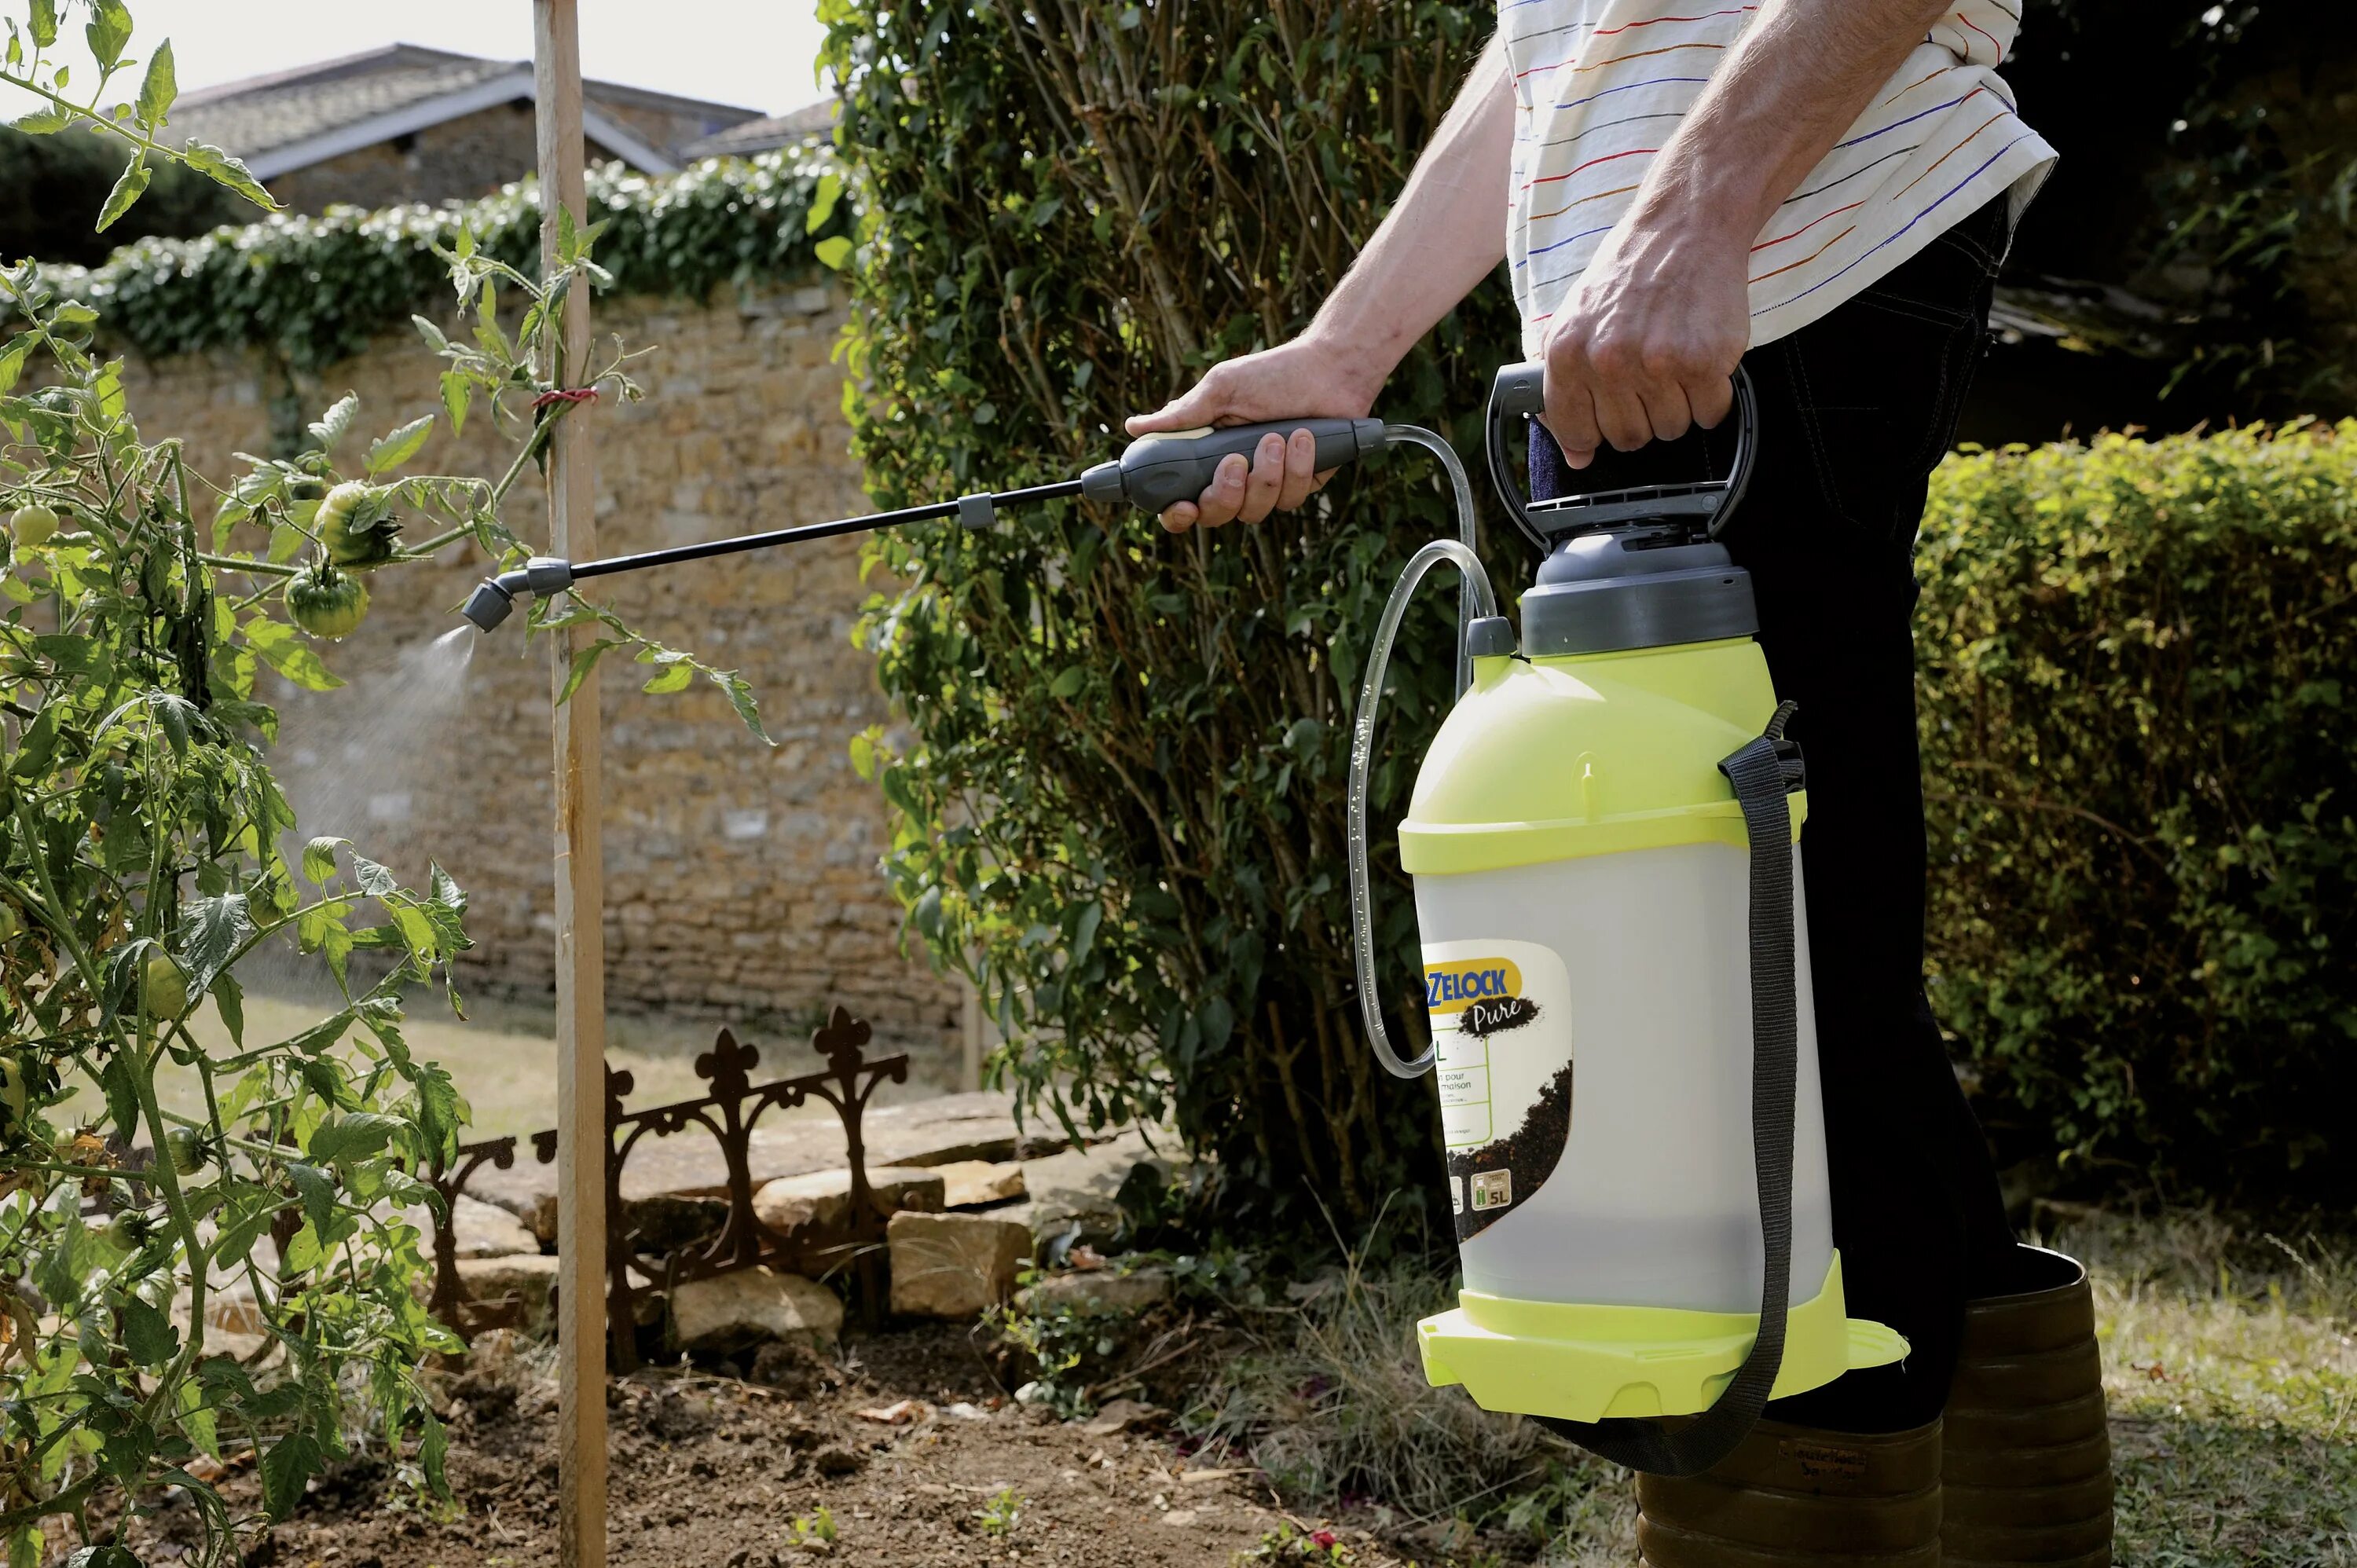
x=1119, y=806
x=2136, y=697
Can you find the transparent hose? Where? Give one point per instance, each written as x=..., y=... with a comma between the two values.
x=1416, y=435
x=1478, y=598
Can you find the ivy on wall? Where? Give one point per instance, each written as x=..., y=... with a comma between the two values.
x=316, y=289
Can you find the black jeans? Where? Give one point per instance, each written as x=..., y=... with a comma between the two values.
x=1854, y=410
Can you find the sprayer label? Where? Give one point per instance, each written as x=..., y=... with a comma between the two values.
x=1502, y=1031
x=1467, y=983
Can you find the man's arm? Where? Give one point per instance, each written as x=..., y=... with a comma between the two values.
x=1645, y=345
x=1446, y=233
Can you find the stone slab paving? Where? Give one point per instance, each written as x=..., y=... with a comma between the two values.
x=942, y=1131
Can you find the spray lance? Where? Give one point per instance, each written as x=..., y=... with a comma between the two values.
x=1151, y=474
x=1603, y=841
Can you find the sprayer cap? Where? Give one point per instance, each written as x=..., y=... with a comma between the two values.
x=1640, y=585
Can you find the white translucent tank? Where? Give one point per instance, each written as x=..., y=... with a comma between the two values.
x=1636, y=966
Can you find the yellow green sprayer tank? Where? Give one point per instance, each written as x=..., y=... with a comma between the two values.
x=1604, y=841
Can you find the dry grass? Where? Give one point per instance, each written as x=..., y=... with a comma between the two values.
x=1332, y=1404
x=2231, y=1357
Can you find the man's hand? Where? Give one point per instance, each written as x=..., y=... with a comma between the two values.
x=1642, y=348
x=1305, y=378
x=1440, y=240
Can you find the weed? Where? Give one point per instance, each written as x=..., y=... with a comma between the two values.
x=808, y=1527
x=1003, y=1513
x=1287, y=1545
x=1063, y=1345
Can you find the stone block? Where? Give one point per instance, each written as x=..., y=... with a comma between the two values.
x=968, y=1183
x=1075, y=1193
x=824, y=1197
x=1097, y=1291
x=486, y=1230
x=527, y=1276
x=953, y=1265
x=729, y=1312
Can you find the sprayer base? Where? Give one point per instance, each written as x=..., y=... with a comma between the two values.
x=1585, y=1363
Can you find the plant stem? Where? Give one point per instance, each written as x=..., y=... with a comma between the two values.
x=419, y=551
x=67, y=1501
x=245, y=563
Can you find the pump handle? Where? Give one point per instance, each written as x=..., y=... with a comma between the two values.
x=1518, y=392
x=1159, y=471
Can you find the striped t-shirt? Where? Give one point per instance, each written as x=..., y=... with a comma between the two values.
x=1600, y=85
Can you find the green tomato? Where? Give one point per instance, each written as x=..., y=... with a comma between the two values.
x=124, y=1231
x=33, y=526
x=325, y=602
x=11, y=923
x=336, y=509
x=189, y=1149
x=162, y=987
x=356, y=525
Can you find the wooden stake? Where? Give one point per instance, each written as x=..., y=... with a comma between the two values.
x=580, y=867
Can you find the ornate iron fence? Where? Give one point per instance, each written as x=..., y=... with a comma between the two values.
x=728, y=1112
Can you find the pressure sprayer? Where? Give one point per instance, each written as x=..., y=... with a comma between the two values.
x=1604, y=844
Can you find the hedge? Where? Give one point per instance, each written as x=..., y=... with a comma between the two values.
x=2138, y=673
x=1118, y=804
x=316, y=289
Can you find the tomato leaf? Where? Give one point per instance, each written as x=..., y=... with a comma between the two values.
x=398, y=446
x=158, y=88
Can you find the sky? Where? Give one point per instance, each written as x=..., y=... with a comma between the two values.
x=757, y=53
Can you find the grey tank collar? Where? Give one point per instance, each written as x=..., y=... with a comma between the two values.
x=1646, y=585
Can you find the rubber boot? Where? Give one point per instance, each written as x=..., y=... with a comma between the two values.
x=2027, y=1466
x=1791, y=1496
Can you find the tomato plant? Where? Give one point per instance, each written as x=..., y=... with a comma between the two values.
x=145, y=849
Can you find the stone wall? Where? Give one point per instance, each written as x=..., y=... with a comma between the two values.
x=741, y=880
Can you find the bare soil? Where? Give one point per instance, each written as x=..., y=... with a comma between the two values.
x=717, y=1471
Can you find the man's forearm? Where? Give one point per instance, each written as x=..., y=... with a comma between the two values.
x=1796, y=80
x=1445, y=234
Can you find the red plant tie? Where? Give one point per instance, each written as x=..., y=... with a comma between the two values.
x=565, y=394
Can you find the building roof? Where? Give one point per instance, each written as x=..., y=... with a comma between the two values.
x=292, y=119
x=769, y=132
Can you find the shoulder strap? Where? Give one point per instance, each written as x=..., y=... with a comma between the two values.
x=1762, y=772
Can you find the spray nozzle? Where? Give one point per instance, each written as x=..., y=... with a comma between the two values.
x=489, y=605
x=494, y=597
